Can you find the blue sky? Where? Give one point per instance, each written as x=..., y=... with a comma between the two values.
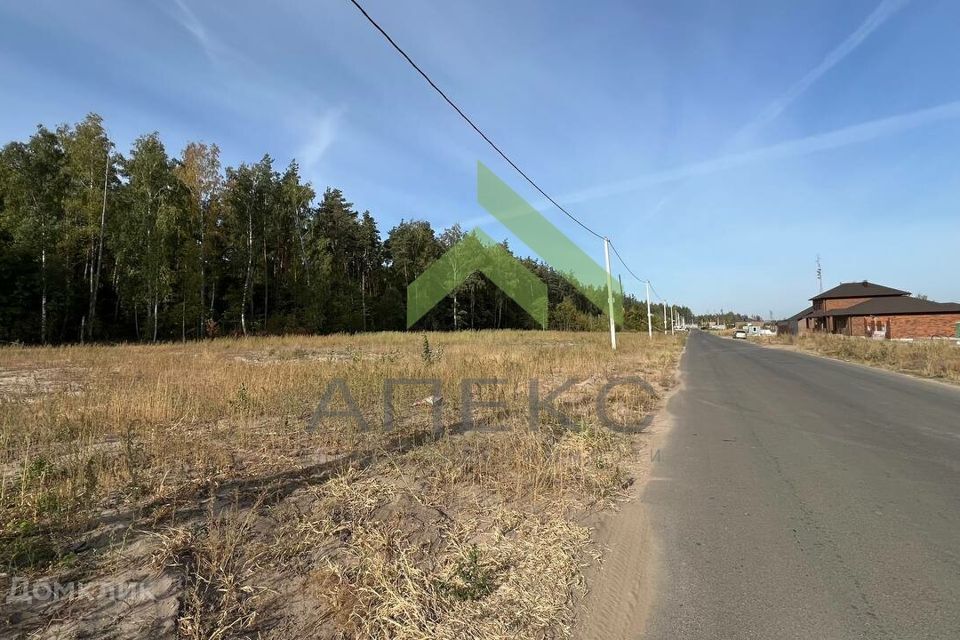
x=721, y=145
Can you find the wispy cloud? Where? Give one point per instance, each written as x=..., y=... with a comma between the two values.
x=835, y=139
x=215, y=50
x=883, y=12
x=315, y=131
x=320, y=134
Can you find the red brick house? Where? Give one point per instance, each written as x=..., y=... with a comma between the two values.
x=873, y=310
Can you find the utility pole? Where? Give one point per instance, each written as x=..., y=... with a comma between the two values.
x=672, y=319
x=649, y=315
x=664, y=317
x=613, y=326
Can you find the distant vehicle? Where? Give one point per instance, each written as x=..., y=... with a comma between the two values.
x=740, y=334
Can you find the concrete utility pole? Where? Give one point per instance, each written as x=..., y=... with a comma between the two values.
x=672, y=320
x=613, y=326
x=649, y=315
x=664, y=317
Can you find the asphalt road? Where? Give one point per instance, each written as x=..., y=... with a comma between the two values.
x=799, y=497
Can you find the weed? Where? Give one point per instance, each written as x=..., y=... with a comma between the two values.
x=472, y=578
x=38, y=467
x=25, y=544
x=241, y=402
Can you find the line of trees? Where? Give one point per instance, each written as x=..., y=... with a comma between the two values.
x=729, y=318
x=98, y=245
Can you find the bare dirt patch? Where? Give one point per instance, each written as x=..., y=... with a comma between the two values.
x=26, y=383
x=619, y=587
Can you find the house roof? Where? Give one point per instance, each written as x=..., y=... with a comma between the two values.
x=862, y=289
x=799, y=316
x=893, y=306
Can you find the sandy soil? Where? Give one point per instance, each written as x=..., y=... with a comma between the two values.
x=620, y=586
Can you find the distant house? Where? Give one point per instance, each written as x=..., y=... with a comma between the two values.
x=757, y=330
x=873, y=310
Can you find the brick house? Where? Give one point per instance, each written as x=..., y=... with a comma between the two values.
x=795, y=324
x=873, y=310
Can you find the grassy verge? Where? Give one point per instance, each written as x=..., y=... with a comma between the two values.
x=938, y=359
x=188, y=471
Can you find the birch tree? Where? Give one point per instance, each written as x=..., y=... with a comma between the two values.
x=90, y=173
x=146, y=245
x=34, y=184
x=199, y=172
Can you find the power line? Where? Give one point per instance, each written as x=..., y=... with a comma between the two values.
x=655, y=293
x=467, y=118
x=490, y=142
x=630, y=271
x=620, y=258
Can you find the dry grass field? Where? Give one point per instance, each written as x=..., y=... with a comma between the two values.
x=178, y=490
x=926, y=358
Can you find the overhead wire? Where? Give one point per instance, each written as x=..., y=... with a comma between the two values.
x=623, y=262
x=490, y=142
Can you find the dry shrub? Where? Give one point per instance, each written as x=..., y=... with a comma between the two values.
x=584, y=465
x=396, y=566
x=515, y=584
x=219, y=562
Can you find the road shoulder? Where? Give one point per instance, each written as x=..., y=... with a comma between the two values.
x=620, y=586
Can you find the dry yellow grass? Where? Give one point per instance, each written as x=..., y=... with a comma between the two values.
x=194, y=460
x=927, y=358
